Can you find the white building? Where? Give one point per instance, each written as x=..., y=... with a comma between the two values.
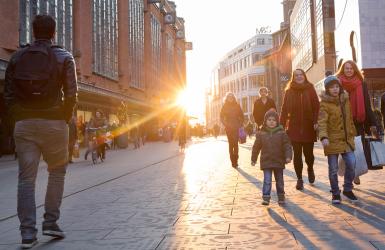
x=241, y=72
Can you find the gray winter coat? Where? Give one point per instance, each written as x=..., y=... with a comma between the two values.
x=274, y=147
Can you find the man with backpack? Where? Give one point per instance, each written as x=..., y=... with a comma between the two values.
x=40, y=93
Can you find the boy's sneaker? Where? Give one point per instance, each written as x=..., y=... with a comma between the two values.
x=336, y=199
x=28, y=243
x=53, y=231
x=266, y=200
x=299, y=185
x=350, y=195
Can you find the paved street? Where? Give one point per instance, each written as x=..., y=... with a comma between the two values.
x=157, y=198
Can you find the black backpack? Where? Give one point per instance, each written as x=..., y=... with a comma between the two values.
x=35, y=77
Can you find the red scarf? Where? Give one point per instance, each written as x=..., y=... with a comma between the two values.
x=356, y=95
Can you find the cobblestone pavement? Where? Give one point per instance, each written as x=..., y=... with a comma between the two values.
x=157, y=198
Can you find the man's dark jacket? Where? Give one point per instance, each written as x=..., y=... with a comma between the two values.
x=260, y=110
x=63, y=107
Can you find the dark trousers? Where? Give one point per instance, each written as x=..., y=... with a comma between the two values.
x=233, y=137
x=307, y=149
x=71, y=146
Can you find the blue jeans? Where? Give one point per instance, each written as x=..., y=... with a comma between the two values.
x=33, y=138
x=350, y=163
x=267, y=180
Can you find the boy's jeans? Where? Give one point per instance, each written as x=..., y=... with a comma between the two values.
x=267, y=179
x=350, y=162
x=33, y=138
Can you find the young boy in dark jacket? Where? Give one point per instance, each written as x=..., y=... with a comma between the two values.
x=276, y=151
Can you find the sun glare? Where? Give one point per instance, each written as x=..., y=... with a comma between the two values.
x=191, y=100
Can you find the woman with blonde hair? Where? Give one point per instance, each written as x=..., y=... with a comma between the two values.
x=299, y=115
x=232, y=118
x=353, y=82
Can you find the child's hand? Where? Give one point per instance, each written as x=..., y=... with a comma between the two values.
x=325, y=142
x=253, y=163
x=288, y=160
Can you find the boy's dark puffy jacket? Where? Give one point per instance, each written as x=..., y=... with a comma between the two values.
x=274, y=147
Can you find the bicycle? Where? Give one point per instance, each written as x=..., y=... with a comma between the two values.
x=95, y=145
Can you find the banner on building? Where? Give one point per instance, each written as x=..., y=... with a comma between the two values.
x=180, y=34
x=188, y=46
x=169, y=18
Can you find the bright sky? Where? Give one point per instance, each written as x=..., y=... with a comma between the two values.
x=215, y=27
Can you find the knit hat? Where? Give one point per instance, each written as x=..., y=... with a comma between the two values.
x=271, y=113
x=331, y=80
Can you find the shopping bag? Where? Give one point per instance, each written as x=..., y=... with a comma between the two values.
x=242, y=135
x=75, y=152
x=368, y=152
x=361, y=167
x=377, y=153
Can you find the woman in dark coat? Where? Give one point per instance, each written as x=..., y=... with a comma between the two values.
x=364, y=119
x=232, y=118
x=299, y=114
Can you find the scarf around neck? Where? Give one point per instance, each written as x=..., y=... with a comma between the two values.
x=353, y=86
x=273, y=130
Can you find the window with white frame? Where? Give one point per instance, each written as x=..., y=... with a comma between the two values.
x=105, y=38
x=60, y=10
x=136, y=42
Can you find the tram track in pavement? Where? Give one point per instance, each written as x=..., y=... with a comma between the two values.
x=102, y=183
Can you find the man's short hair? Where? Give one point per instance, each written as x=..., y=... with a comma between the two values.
x=44, y=27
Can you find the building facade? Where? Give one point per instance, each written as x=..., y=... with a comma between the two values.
x=324, y=33
x=241, y=72
x=360, y=36
x=130, y=50
x=312, y=24
x=278, y=59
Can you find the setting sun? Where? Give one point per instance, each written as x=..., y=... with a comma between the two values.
x=192, y=100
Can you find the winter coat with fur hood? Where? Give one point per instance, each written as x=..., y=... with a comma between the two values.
x=274, y=146
x=336, y=124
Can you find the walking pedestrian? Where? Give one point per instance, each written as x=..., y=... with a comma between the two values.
x=231, y=116
x=299, y=115
x=383, y=109
x=353, y=82
x=99, y=125
x=72, y=138
x=40, y=93
x=262, y=105
x=216, y=130
x=337, y=131
x=275, y=148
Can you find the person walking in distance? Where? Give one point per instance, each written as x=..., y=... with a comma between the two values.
x=231, y=116
x=72, y=138
x=40, y=93
x=275, y=148
x=263, y=104
x=299, y=114
x=364, y=119
x=383, y=109
x=337, y=131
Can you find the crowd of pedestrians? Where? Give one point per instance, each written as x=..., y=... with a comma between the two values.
x=41, y=93
x=335, y=117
